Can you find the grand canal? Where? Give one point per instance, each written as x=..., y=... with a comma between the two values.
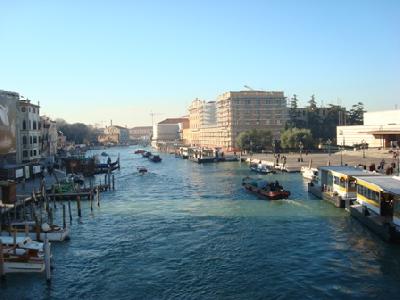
x=189, y=231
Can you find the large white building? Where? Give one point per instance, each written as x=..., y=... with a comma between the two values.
x=381, y=129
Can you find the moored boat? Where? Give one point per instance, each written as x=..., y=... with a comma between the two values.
x=54, y=233
x=309, y=173
x=262, y=169
x=22, y=255
x=264, y=189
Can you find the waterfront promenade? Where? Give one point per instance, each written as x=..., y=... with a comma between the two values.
x=351, y=158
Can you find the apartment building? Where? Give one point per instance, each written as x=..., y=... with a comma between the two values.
x=236, y=112
x=29, y=127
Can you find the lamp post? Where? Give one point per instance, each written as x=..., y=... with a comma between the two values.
x=363, y=147
x=341, y=153
x=301, y=146
x=329, y=142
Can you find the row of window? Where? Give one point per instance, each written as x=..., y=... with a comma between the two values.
x=366, y=192
x=30, y=109
x=32, y=152
x=32, y=125
x=32, y=140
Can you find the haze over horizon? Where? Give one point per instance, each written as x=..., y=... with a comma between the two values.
x=94, y=61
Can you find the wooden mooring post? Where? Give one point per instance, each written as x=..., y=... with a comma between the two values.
x=2, y=268
x=78, y=205
x=98, y=197
x=113, y=182
x=64, y=216
x=69, y=211
x=47, y=258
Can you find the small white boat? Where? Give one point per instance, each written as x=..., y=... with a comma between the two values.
x=260, y=168
x=54, y=233
x=309, y=173
x=25, y=256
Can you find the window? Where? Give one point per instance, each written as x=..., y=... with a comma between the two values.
x=33, y=110
x=24, y=140
x=23, y=125
x=35, y=140
x=23, y=109
x=34, y=125
x=30, y=140
x=25, y=153
x=34, y=152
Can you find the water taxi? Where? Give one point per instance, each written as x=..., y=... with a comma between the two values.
x=155, y=158
x=309, y=173
x=378, y=205
x=337, y=184
x=142, y=170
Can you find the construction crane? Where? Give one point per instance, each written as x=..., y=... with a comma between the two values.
x=152, y=114
x=249, y=88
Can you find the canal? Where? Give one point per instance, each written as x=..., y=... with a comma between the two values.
x=190, y=231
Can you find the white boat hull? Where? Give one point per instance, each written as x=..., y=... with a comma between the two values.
x=23, y=267
x=57, y=236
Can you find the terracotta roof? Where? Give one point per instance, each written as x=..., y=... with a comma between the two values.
x=174, y=121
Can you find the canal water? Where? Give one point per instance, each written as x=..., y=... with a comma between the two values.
x=190, y=231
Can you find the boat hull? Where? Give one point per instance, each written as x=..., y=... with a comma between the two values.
x=269, y=195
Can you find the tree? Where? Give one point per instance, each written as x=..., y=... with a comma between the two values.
x=291, y=138
x=254, y=140
x=312, y=103
x=77, y=132
x=356, y=114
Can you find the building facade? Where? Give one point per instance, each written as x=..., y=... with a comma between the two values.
x=169, y=131
x=141, y=133
x=30, y=136
x=114, y=135
x=381, y=129
x=49, y=138
x=233, y=113
x=9, y=132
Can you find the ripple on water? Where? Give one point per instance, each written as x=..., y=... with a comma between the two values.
x=190, y=231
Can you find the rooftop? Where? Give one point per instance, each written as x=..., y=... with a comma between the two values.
x=385, y=183
x=347, y=170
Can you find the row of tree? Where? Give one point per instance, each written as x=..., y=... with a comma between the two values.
x=78, y=132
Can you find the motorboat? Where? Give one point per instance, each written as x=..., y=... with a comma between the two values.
x=146, y=154
x=54, y=233
x=22, y=255
x=262, y=169
x=309, y=173
x=139, y=151
x=142, y=170
x=265, y=189
x=104, y=154
x=155, y=158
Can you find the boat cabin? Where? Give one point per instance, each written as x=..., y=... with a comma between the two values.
x=340, y=180
x=380, y=194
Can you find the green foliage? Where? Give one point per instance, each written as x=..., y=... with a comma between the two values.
x=312, y=103
x=254, y=140
x=77, y=132
x=356, y=114
x=291, y=138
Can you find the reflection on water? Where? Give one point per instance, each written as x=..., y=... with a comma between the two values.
x=190, y=231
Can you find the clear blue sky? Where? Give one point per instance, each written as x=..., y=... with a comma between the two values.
x=92, y=61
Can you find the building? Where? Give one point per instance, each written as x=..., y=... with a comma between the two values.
x=381, y=129
x=30, y=135
x=141, y=133
x=61, y=140
x=49, y=137
x=218, y=124
x=114, y=134
x=8, y=127
x=169, y=132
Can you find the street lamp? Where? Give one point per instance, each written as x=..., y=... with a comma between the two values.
x=301, y=146
x=363, y=147
x=329, y=142
x=341, y=153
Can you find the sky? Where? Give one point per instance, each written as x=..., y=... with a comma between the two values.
x=93, y=61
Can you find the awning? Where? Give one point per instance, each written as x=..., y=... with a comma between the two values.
x=383, y=132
